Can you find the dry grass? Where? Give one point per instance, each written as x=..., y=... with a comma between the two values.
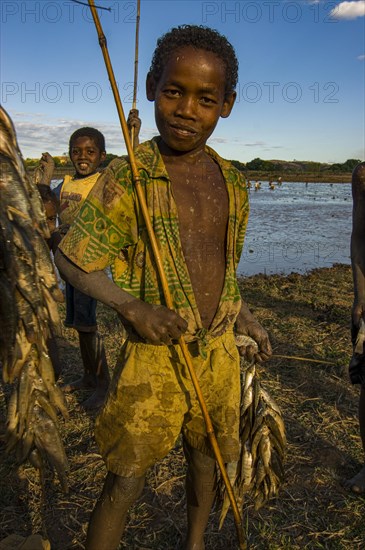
x=307, y=316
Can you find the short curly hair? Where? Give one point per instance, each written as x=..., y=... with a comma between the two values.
x=202, y=38
x=91, y=133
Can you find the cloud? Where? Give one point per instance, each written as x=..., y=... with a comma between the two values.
x=361, y=57
x=349, y=10
x=37, y=133
x=255, y=144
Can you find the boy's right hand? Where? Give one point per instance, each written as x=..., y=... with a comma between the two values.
x=47, y=166
x=156, y=324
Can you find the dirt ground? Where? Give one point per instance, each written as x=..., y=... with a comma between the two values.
x=307, y=317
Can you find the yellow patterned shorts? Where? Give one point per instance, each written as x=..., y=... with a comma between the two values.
x=152, y=400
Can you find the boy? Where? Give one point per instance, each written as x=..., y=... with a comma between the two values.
x=357, y=365
x=199, y=209
x=87, y=152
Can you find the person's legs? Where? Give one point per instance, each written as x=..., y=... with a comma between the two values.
x=95, y=367
x=108, y=518
x=357, y=483
x=200, y=494
x=87, y=381
x=81, y=315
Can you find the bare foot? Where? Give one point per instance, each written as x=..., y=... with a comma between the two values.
x=83, y=383
x=357, y=483
x=95, y=401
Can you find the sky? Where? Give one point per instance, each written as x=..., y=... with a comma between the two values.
x=300, y=94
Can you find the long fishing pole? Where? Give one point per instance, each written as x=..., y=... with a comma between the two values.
x=137, y=183
x=135, y=81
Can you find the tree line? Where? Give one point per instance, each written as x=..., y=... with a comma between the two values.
x=276, y=167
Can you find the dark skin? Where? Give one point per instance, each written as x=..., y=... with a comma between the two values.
x=357, y=483
x=189, y=100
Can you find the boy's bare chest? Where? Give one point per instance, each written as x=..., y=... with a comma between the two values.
x=201, y=198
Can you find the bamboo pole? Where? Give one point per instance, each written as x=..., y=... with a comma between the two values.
x=209, y=427
x=135, y=80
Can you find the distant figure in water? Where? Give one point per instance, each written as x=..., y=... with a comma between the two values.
x=257, y=185
x=357, y=363
x=279, y=181
x=249, y=184
x=271, y=185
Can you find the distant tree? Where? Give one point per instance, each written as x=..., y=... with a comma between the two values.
x=350, y=164
x=256, y=164
x=109, y=157
x=29, y=163
x=239, y=165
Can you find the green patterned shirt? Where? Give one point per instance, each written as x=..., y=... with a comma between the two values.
x=110, y=231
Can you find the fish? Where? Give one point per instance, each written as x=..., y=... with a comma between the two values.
x=259, y=472
x=49, y=443
x=28, y=315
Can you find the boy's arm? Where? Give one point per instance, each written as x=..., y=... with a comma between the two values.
x=249, y=326
x=47, y=167
x=358, y=243
x=156, y=324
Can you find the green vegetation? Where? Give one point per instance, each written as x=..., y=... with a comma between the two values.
x=256, y=169
x=296, y=166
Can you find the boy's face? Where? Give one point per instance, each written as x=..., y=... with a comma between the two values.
x=189, y=98
x=86, y=156
x=51, y=215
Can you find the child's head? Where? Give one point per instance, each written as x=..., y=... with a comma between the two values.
x=87, y=150
x=191, y=80
x=200, y=38
x=51, y=205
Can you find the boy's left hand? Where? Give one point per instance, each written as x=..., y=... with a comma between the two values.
x=247, y=325
x=261, y=352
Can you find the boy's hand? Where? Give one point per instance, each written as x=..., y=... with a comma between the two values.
x=156, y=324
x=247, y=325
x=134, y=122
x=47, y=165
x=259, y=350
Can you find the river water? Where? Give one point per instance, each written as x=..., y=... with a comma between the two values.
x=297, y=227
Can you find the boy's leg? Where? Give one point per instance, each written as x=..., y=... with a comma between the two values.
x=108, y=518
x=357, y=483
x=200, y=494
x=81, y=315
x=95, y=367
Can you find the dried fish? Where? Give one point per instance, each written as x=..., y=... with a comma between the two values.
x=28, y=313
x=259, y=470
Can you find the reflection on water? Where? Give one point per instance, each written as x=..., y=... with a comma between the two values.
x=297, y=227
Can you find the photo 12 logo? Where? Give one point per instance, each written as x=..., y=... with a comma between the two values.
x=289, y=92
x=53, y=92
x=270, y=11
x=52, y=12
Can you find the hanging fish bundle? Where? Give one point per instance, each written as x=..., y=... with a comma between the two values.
x=28, y=314
x=259, y=471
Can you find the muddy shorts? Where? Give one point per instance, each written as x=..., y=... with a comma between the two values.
x=152, y=400
x=80, y=310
